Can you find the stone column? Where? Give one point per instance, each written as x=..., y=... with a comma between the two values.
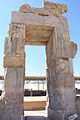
x=14, y=93
x=60, y=79
x=14, y=64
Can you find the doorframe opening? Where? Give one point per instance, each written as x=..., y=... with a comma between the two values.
x=31, y=94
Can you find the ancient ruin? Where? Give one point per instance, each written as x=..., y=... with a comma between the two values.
x=47, y=27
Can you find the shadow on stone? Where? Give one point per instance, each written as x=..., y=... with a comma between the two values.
x=35, y=118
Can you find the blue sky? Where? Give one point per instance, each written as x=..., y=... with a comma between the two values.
x=37, y=66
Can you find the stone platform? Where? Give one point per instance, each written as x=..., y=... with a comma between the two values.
x=36, y=115
x=36, y=118
x=34, y=103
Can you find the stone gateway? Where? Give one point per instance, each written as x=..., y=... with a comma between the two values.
x=47, y=27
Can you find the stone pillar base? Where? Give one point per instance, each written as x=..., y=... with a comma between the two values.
x=11, y=102
x=10, y=112
x=55, y=115
x=2, y=109
x=61, y=115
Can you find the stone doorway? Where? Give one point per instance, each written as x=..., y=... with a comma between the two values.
x=39, y=26
x=39, y=35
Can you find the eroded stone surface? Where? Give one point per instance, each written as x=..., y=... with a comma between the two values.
x=39, y=26
x=49, y=8
x=15, y=60
x=73, y=49
x=33, y=19
x=15, y=40
x=11, y=106
x=14, y=46
x=60, y=81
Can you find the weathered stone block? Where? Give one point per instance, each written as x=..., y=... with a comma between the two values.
x=61, y=95
x=55, y=115
x=7, y=45
x=62, y=47
x=73, y=49
x=78, y=104
x=49, y=8
x=71, y=65
x=11, y=105
x=25, y=8
x=14, y=60
x=62, y=66
x=15, y=41
x=13, y=45
x=2, y=109
x=29, y=18
x=58, y=8
x=63, y=28
x=57, y=47
x=14, y=87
